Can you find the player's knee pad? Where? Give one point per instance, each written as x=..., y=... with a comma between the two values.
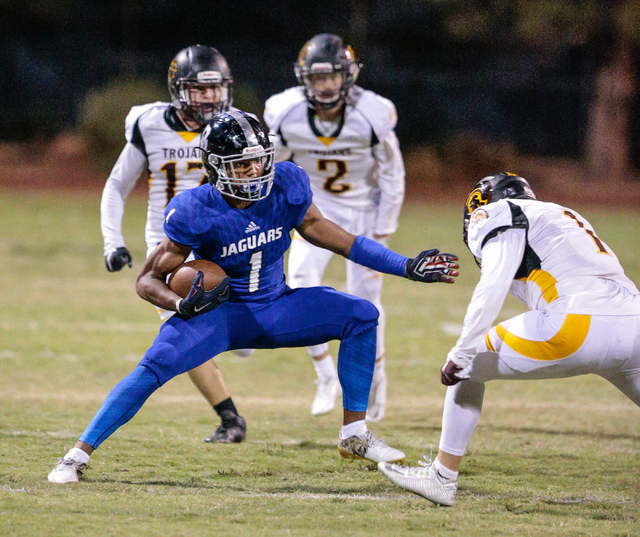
x=163, y=359
x=364, y=316
x=365, y=312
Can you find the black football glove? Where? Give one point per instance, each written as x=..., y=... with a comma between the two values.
x=449, y=373
x=200, y=301
x=431, y=266
x=117, y=258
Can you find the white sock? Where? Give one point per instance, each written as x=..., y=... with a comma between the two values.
x=378, y=371
x=325, y=368
x=357, y=428
x=444, y=474
x=77, y=455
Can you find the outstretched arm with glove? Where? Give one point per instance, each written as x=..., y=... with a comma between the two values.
x=429, y=266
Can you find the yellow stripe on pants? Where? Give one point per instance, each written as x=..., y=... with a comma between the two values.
x=567, y=340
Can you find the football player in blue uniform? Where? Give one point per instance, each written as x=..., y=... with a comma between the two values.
x=242, y=221
x=163, y=142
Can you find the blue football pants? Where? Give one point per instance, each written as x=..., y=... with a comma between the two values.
x=298, y=318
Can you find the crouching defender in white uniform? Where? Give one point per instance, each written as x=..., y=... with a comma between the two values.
x=584, y=318
x=163, y=140
x=343, y=137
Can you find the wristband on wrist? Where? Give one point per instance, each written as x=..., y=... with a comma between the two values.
x=373, y=255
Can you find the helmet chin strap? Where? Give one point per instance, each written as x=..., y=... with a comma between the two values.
x=327, y=106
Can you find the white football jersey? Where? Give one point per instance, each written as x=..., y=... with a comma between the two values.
x=549, y=257
x=566, y=267
x=359, y=165
x=158, y=142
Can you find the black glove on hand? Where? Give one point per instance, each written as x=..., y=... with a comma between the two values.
x=449, y=373
x=200, y=301
x=117, y=258
x=431, y=266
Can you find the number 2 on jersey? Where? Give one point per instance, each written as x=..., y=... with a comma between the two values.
x=329, y=182
x=590, y=232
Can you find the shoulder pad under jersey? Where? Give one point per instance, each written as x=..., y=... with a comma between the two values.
x=279, y=105
x=294, y=181
x=489, y=220
x=135, y=113
x=378, y=111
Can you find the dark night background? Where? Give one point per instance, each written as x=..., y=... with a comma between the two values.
x=448, y=71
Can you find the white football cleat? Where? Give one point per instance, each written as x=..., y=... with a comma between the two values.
x=377, y=398
x=326, y=394
x=243, y=353
x=66, y=471
x=369, y=448
x=422, y=480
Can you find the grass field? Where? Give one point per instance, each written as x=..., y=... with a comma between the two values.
x=548, y=458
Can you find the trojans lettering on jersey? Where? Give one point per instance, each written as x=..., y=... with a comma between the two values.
x=173, y=155
x=341, y=167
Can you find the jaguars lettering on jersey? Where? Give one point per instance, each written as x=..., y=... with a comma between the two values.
x=249, y=244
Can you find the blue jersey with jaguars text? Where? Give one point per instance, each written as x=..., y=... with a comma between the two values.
x=249, y=244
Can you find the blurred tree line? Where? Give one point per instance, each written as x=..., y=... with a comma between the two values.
x=550, y=78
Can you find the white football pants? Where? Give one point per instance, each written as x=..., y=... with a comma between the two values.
x=307, y=264
x=537, y=345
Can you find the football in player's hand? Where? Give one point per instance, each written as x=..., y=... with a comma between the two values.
x=181, y=278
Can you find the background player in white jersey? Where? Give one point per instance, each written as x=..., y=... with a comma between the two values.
x=584, y=316
x=343, y=137
x=163, y=140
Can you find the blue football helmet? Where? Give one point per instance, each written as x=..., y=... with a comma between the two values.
x=230, y=139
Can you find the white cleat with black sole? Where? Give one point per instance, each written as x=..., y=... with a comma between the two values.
x=422, y=480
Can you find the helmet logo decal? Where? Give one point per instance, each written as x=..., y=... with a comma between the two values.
x=253, y=149
x=173, y=68
x=476, y=199
x=303, y=53
x=351, y=53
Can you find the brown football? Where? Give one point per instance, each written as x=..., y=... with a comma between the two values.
x=181, y=278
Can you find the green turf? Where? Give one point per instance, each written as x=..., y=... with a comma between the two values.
x=548, y=458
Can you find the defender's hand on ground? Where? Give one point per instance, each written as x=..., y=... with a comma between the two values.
x=200, y=301
x=117, y=258
x=431, y=266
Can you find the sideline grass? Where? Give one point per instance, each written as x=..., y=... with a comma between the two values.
x=548, y=458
